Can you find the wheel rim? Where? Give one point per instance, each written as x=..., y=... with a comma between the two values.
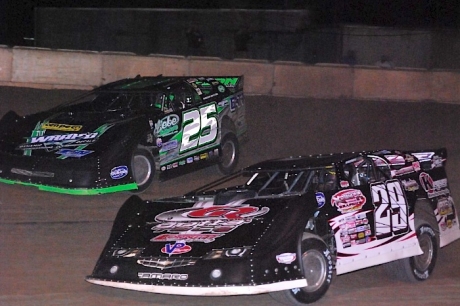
x=142, y=169
x=315, y=270
x=228, y=154
x=423, y=261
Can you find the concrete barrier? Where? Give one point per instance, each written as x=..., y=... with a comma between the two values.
x=56, y=67
x=46, y=68
x=317, y=81
x=117, y=66
x=6, y=62
x=445, y=86
x=391, y=84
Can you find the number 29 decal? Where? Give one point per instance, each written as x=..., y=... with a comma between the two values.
x=199, y=127
x=391, y=211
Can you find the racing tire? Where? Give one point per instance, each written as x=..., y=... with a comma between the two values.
x=143, y=167
x=420, y=267
x=316, y=261
x=229, y=155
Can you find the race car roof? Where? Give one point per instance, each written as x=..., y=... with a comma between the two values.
x=301, y=162
x=148, y=83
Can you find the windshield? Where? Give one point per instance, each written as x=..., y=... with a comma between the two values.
x=278, y=183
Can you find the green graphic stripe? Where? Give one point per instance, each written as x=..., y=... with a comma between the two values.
x=38, y=131
x=75, y=191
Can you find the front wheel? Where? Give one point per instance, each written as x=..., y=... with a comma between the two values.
x=230, y=153
x=317, y=268
x=143, y=167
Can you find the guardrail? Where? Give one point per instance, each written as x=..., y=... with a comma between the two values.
x=47, y=68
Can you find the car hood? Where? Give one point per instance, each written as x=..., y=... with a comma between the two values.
x=47, y=132
x=191, y=227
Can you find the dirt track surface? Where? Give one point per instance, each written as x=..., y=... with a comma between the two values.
x=50, y=242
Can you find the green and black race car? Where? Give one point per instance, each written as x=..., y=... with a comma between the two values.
x=115, y=137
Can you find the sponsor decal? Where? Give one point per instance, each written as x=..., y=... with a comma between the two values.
x=61, y=127
x=62, y=137
x=168, y=146
x=410, y=185
x=73, y=153
x=405, y=170
x=119, y=172
x=167, y=126
x=233, y=103
x=228, y=82
x=163, y=276
x=176, y=248
x=210, y=96
x=348, y=200
x=203, y=155
x=320, y=199
x=50, y=143
x=437, y=162
x=206, y=238
x=344, y=184
x=189, y=160
x=55, y=142
x=203, y=224
x=433, y=188
x=286, y=258
x=446, y=215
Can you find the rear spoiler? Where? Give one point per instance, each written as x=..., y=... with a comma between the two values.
x=234, y=83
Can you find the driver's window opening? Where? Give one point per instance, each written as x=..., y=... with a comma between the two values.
x=324, y=179
x=362, y=171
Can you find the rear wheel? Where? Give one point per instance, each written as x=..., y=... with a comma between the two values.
x=143, y=167
x=230, y=153
x=316, y=263
x=420, y=267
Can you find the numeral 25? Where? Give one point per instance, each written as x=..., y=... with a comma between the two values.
x=199, y=127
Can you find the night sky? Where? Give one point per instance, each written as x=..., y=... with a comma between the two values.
x=16, y=16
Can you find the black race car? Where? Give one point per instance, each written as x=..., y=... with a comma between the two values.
x=283, y=226
x=115, y=137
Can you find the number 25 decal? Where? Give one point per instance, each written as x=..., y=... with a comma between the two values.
x=199, y=127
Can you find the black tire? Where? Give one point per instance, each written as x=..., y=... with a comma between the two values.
x=316, y=261
x=229, y=155
x=418, y=268
x=143, y=168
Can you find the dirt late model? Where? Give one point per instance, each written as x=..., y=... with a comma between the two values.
x=283, y=226
x=115, y=137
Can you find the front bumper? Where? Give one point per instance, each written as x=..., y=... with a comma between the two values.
x=71, y=176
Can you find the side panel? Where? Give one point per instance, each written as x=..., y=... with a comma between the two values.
x=374, y=228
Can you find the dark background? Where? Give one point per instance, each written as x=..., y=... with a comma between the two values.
x=17, y=16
